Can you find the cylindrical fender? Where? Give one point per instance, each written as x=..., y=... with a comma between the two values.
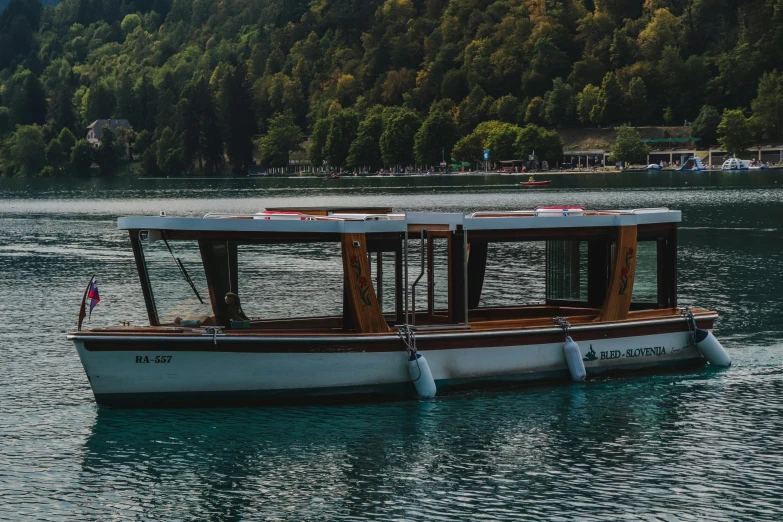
x=711, y=349
x=421, y=375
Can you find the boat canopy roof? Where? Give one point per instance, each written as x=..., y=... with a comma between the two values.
x=350, y=221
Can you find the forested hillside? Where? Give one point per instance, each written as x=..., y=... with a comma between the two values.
x=373, y=82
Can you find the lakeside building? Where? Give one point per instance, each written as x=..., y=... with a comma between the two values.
x=95, y=132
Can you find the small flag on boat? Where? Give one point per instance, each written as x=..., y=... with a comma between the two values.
x=93, y=294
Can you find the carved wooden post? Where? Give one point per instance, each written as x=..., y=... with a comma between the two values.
x=618, y=297
x=360, y=294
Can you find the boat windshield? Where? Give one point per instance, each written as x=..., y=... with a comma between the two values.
x=177, y=280
x=277, y=281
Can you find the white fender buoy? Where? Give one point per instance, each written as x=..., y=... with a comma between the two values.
x=421, y=375
x=573, y=357
x=711, y=348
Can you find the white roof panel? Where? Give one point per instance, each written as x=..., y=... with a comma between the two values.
x=375, y=223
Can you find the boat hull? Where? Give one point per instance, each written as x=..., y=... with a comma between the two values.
x=160, y=373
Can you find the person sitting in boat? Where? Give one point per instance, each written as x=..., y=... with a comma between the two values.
x=531, y=178
x=233, y=308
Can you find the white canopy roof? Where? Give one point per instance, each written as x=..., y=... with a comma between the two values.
x=378, y=223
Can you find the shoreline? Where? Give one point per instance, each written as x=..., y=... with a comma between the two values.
x=471, y=174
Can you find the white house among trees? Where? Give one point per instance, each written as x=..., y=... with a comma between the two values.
x=95, y=131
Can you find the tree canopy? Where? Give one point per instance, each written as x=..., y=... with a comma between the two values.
x=201, y=82
x=628, y=146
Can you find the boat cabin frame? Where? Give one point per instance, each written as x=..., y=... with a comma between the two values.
x=599, y=245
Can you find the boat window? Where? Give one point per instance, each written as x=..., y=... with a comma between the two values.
x=645, y=285
x=276, y=281
x=387, y=293
x=514, y=274
x=566, y=270
x=177, y=279
x=439, y=300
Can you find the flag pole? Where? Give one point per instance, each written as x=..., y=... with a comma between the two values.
x=82, y=313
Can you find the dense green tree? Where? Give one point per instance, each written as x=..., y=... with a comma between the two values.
x=507, y=109
x=609, y=107
x=473, y=110
x=237, y=118
x=586, y=101
x=499, y=138
x=67, y=141
x=734, y=133
x=535, y=140
x=170, y=155
x=536, y=111
x=27, y=99
x=470, y=148
x=398, y=138
x=108, y=154
x=281, y=139
x=705, y=126
x=66, y=66
x=664, y=30
x=638, y=106
x=28, y=151
x=142, y=142
x=767, y=108
x=365, y=150
x=130, y=23
x=318, y=142
x=5, y=121
x=201, y=136
x=82, y=157
x=98, y=103
x=435, y=138
x=559, y=104
x=55, y=155
x=628, y=146
x=342, y=132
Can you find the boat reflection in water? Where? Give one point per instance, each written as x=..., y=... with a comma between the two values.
x=410, y=311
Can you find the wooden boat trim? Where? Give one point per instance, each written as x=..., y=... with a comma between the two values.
x=390, y=337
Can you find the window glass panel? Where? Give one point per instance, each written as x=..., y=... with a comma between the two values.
x=388, y=295
x=515, y=274
x=566, y=277
x=277, y=281
x=440, y=278
x=171, y=291
x=645, y=285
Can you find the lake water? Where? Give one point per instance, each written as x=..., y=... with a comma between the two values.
x=699, y=445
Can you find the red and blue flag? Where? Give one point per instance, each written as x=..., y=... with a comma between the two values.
x=93, y=294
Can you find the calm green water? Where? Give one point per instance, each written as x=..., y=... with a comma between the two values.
x=706, y=445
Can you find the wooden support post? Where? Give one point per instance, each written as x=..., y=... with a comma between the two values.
x=618, y=296
x=456, y=277
x=141, y=267
x=398, y=285
x=362, y=302
x=477, y=266
x=430, y=276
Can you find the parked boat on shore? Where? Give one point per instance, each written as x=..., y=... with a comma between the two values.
x=588, y=320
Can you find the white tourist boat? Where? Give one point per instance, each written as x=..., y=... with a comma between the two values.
x=607, y=303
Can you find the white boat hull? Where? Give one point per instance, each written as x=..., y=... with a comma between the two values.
x=132, y=375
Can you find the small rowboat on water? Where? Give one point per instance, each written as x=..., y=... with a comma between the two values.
x=534, y=183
